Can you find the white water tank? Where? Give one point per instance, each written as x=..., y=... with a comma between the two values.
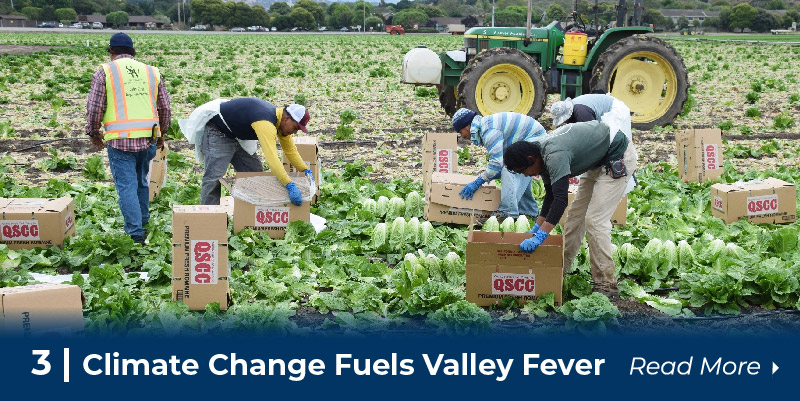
x=421, y=66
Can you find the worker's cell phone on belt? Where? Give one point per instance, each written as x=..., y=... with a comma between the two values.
x=617, y=169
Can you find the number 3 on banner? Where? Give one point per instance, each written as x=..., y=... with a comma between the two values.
x=43, y=354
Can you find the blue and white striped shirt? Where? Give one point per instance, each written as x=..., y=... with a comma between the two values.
x=500, y=130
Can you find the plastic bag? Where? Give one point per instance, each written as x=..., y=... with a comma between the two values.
x=268, y=191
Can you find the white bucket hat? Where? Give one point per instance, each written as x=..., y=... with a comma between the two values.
x=561, y=111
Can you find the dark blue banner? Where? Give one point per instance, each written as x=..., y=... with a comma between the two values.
x=399, y=367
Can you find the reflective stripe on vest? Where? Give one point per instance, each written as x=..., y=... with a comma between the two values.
x=131, y=109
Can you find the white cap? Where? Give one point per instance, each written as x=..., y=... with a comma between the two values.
x=299, y=114
x=561, y=111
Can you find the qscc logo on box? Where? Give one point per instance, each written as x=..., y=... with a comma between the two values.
x=204, y=262
x=272, y=216
x=69, y=220
x=20, y=230
x=444, y=161
x=764, y=204
x=710, y=154
x=513, y=284
x=718, y=203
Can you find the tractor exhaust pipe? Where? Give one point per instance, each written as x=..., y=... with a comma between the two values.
x=528, y=25
x=622, y=10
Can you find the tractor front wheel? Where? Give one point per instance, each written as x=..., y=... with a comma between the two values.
x=503, y=79
x=648, y=75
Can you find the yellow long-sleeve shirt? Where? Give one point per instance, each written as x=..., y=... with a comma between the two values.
x=268, y=136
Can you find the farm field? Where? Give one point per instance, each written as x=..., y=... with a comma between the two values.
x=684, y=268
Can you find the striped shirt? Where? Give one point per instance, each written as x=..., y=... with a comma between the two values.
x=96, y=108
x=500, y=130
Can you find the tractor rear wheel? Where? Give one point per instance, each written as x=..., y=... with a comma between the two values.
x=503, y=79
x=448, y=99
x=648, y=75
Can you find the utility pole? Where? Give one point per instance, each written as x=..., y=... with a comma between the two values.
x=492, y=13
x=364, y=4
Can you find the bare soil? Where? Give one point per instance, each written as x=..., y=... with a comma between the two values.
x=22, y=49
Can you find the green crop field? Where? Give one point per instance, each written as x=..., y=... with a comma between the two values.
x=367, y=270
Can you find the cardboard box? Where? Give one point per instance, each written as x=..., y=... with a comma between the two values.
x=27, y=223
x=438, y=155
x=41, y=310
x=774, y=202
x=699, y=154
x=157, y=175
x=496, y=268
x=444, y=204
x=308, y=149
x=200, y=255
x=270, y=219
x=618, y=218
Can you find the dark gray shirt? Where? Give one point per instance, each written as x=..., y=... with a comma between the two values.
x=574, y=149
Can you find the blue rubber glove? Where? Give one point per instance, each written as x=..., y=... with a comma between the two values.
x=469, y=191
x=530, y=244
x=534, y=229
x=294, y=194
x=310, y=176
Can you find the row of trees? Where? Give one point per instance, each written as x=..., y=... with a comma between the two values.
x=310, y=14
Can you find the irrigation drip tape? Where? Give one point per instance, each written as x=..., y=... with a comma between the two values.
x=726, y=317
x=666, y=289
x=46, y=142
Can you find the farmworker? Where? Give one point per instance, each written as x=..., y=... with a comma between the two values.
x=497, y=132
x=595, y=107
x=129, y=100
x=607, y=158
x=230, y=128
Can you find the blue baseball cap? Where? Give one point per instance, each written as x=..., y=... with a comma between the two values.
x=121, y=40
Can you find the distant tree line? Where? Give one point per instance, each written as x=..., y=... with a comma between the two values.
x=757, y=15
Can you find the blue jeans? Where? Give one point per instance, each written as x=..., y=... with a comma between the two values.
x=516, y=197
x=221, y=151
x=130, y=178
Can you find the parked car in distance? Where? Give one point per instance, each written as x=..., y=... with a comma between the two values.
x=344, y=29
x=273, y=29
x=46, y=25
x=237, y=29
x=97, y=25
x=198, y=28
x=76, y=25
x=323, y=29
x=86, y=25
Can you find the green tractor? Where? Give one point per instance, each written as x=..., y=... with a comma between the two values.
x=512, y=69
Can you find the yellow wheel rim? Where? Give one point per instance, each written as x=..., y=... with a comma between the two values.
x=646, y=83
x=504, y=87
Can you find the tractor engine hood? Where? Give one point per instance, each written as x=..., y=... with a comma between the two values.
x=500, y=32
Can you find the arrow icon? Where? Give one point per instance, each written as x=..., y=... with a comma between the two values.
x=774, y=368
